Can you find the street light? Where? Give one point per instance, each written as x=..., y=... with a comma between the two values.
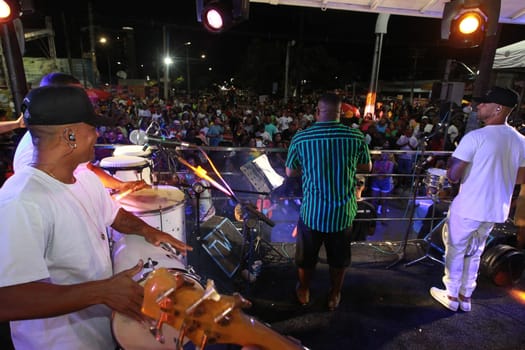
x=188, y=79
x=167, y=62
x=105, y=42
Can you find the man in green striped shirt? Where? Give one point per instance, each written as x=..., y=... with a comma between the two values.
x=327, y=156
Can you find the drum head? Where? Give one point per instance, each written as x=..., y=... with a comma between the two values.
x=153, y=199
x=132, y=150
x=123, y=162
x=437, y=172
x=132, y=335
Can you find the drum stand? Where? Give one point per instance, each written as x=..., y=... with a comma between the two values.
x=430, y=245
x=418, y=167
x=256, y=245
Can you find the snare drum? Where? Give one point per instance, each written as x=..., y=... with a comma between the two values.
x=128, y=168
x=132, y=335
x=161, y=207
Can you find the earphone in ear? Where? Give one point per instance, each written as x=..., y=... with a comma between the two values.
x=71, y=136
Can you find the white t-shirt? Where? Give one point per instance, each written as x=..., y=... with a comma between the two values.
x=411, y=146
x=452, y=132
x=495, y=152
x=284, y=122
x=56, y=232
x=24, y=152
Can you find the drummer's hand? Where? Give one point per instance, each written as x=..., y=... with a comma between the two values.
x=160, y=237
x=124, y=295
x=132, y=186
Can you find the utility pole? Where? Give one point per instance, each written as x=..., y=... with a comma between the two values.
x=166, y=65
x=188, y=77
x=92, y=43
x=287, y=70
x=381, y=29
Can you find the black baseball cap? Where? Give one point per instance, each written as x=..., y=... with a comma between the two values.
x=59, y=105
x=501, y=96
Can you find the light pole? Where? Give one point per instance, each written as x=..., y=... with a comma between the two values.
x=188, y=78
x=287, y=69
x=104, y=42
x=167, y=62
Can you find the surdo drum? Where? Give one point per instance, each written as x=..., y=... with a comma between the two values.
x=128, y=168
x=161, y=207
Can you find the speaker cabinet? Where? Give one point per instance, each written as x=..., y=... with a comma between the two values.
x=224, y=243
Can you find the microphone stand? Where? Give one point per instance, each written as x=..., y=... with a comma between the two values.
x=417, y=171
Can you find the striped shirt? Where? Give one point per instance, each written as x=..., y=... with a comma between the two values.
x=328, y=154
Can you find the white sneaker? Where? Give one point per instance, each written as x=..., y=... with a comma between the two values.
x=443, y=298
x=465, y=304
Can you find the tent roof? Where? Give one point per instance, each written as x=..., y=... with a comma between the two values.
x=510, y=56
x=512, y=11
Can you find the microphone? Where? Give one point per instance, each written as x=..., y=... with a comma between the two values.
x=426, y=161
x=138, y=137
x=441, y=126
x=167, y=142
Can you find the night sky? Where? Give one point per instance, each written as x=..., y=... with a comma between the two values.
x=348, y=36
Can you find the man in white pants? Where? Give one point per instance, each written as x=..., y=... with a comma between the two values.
x=487, y=162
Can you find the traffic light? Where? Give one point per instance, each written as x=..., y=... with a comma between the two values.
x=466, y=22
x=9, y=10
x=219, y=15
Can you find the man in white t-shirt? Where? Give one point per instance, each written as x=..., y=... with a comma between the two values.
x=57, y=286
x=486, y=162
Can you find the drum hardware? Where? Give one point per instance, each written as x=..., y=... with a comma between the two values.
x=150, y=264
x=430, y=245
x=435, y=181
x=417, y=170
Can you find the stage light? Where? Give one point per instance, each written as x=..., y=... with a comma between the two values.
x=469, y=23
x=219, y=15
x=9, y=10
x=466, y=22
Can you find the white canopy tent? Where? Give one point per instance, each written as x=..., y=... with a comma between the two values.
x=510, y=56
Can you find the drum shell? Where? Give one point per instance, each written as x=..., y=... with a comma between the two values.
x=169, y=218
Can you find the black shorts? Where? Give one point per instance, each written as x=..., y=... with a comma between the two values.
x=308, y=244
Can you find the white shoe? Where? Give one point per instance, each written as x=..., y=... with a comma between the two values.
x=443, y=298
x=465, y=304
